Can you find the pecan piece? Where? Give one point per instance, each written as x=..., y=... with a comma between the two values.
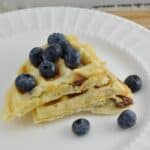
x=125, y=101
x=79, y=79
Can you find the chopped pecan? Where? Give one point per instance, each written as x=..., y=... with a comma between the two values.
x=96, y=86
x=76, y=94
x=79, y=79
x=125, y=101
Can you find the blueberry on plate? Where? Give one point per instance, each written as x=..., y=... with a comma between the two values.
x=72, y=58
x=80, y=126
x=127, y=119
x=47, y=69
x=53, y=52
x=25, y=82
x=60, y=39
x=35, y=56
x=134, y=82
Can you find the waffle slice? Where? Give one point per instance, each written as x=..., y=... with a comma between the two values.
x=67, y=81
x=107, y=99
x=91, y=80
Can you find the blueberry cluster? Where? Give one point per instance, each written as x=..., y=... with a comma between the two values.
x=44, y=60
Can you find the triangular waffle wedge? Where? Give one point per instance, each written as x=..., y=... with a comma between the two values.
x=90, y=75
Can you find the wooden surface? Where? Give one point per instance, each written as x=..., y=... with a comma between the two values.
x=139, y=16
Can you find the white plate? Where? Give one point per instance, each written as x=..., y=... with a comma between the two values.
x=122, y=44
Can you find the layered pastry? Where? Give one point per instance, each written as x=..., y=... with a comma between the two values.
x=64, y=77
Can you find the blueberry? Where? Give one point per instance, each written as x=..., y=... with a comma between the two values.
x=35, y=56
x=47, y=69
x=127, y=119
x=55, y=38
x=134, y=82
x=52, y=53
x=60, y=39
x=25, y=82
x=80, y=126
x=72, y=58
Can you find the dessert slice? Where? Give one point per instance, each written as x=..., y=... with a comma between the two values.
x=72, y=75
x=71, y=81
